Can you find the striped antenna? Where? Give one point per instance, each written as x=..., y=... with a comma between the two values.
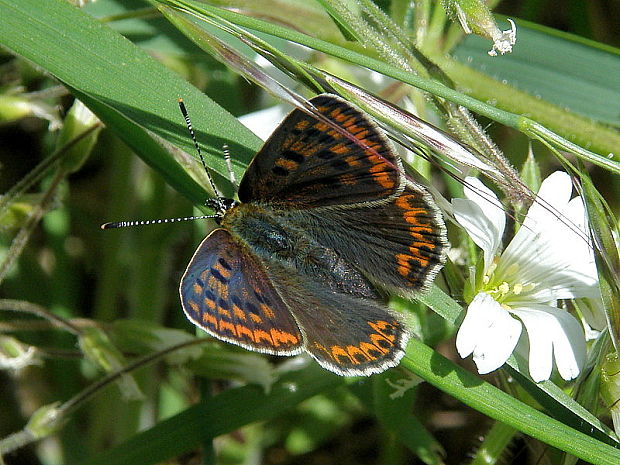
x=190, y=128
x=128, y=224
x=220, y=204
x=231, y=173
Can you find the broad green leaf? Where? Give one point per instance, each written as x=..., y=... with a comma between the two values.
x=129, y=91
x=566, y=70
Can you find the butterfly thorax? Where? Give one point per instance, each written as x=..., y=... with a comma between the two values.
x=255, y=227
x=271, y=235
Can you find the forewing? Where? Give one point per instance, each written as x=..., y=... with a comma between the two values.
x=307, y=163
x=347, y=335
x=400, y=245
x=226, y=291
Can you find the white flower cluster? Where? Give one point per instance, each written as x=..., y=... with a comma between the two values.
x=549, y=258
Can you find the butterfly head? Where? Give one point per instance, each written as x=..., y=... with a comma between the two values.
x=220, y=205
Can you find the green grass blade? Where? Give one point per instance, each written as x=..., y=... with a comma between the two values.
x=558, y=67
x=493, y=402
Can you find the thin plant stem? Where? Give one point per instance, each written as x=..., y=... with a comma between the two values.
x=28, y=307
x=21, y=239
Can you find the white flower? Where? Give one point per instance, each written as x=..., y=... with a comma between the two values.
x=549, y=258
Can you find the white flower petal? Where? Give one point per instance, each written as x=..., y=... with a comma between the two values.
x=541, y=347
x=551, y=249
x=554, y=193
x=488, y=202
x=482, y=216
x=530, y=242
x=593, y=312
x=582, y=253
x=478, y=227
x=553, y=334
x=489, y=332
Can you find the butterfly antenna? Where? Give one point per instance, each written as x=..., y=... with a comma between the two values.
x=231, y=173
x=219, y=204
x=190, y=128
x=129, y=224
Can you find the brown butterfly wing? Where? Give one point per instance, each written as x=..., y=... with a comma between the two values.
x=308, y=163
x=226, y=291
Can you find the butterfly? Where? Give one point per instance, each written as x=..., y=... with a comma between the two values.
x=325, y=218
